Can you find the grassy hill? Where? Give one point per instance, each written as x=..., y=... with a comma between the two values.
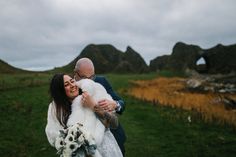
x=152, y=131
x=9, y=69
x=6, y=68
x=108, y=59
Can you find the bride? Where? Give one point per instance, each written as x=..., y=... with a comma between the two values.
x=67, y=110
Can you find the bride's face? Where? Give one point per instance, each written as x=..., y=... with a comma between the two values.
x=70, y=87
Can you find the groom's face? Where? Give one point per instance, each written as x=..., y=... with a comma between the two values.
x=83, y=73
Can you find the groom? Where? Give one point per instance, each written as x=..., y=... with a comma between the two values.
x=84, y=68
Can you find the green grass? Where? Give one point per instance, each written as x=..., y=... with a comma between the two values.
x=165, y=132
x=23, y=119
x=168, y=73
x=151, y=130
x=10, y=81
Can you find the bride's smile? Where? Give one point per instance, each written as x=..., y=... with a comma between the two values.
x=70, y=87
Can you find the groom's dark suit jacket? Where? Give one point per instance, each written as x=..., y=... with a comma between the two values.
x=118, y=133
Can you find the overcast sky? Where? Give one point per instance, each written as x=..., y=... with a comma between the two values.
x=43, y=34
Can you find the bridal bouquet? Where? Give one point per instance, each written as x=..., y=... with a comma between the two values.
x=74, y=141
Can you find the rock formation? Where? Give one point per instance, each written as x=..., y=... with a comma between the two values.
x=108, y=59
x=219, y=59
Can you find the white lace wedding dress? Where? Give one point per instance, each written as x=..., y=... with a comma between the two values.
x=109, y=146
x=106, y=142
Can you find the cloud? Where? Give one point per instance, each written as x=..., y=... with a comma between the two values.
x=45, y=34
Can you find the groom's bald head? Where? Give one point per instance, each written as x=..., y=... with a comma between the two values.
x=84, y=68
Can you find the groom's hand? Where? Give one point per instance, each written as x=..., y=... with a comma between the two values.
x=107, y=105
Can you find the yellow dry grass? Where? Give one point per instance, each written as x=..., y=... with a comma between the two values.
x=172, y=92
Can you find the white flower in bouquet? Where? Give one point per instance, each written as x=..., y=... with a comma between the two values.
x=59, y=143
x=89, y=138
x=70, y=148
x=74, y=141
x=73, y=130
x=81, y=139
x=69, y=138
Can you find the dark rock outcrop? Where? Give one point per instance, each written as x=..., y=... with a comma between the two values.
x=135, y=60
x=184, y=56
x=159, y=63
x=219, y=59
x=108, y=59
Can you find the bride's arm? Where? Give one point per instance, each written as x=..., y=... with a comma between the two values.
x=53, y=126
x=109, y=119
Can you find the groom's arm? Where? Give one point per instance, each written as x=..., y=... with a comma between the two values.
x=109, y=119
x=118, y=104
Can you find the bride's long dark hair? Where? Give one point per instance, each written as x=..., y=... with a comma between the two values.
x=61, y=101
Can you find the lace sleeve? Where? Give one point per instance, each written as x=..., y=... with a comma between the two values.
x=109, y=119
x=53, y=126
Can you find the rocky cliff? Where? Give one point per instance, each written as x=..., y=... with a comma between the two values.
x=219, y=59
x=108, y=59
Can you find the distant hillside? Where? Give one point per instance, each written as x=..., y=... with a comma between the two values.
x=108, y=59
x=9, y=69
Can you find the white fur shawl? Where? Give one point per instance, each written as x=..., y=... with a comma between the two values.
x=85, y=115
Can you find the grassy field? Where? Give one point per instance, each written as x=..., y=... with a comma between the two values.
x=152, y=131
x=174, y=92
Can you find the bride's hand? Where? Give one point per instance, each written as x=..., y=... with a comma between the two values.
x=87, y=100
